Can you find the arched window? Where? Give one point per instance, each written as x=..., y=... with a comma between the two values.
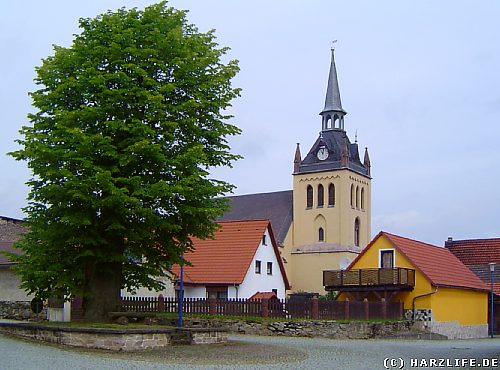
x=321, y=234
x=356, y=232
x=331, y=195
x=357, y=197
x=321, y=196
x=362, y=198
x=352, y=195
x=309, y=196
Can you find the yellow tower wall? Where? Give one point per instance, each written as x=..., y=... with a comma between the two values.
x=339, y=219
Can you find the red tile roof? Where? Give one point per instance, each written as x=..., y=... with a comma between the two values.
x=226, y=258
x=437, y=264
x=263, y=295
x=476, y=251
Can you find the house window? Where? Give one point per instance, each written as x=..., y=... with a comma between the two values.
x=331, y=195
x=321, y=196
x=218, y=292
x=264, y=239
x=309, y=196
x=356, y=232
x=257, y=267
x=269, y=268
x=387, y=259
x=321, y=234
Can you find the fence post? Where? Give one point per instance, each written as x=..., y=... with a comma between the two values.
x=314, y=308
x=346, y=309
x=264, y=303
x=161, y=303
x=366, y=305
x=384, y=309
x=212, y=306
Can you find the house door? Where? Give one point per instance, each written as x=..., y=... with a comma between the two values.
x=387, y=259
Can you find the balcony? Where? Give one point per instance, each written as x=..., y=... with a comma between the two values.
x=369, y=279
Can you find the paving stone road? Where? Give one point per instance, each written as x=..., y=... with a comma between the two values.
x=254, y=352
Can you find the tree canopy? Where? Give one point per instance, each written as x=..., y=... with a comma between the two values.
x=129, y=121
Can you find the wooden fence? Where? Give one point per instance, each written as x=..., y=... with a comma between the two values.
x=312, y=308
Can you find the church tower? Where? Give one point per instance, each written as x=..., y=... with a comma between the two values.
x=331, y=199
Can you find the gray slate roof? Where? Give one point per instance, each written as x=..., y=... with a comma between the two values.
x=276, y=207
x=333, y=140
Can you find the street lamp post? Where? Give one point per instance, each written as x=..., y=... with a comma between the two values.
x=492, y=279
x=181, y=294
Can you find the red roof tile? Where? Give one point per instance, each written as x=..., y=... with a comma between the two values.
x=226, y=258
x=437, y=264
x=263, y=295
x=476, y=251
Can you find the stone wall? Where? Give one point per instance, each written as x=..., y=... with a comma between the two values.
x=20, y=310
x=113, y=339
x=303, y=328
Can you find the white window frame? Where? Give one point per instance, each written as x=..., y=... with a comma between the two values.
x=386, y=250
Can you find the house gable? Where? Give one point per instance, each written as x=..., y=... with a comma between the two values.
x=271, y=272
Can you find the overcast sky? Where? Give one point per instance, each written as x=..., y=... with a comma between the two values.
x=420, y=82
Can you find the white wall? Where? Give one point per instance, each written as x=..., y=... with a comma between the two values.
x=263, y=282
x=195, y=292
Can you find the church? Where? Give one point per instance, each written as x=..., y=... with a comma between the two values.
x=324, y=222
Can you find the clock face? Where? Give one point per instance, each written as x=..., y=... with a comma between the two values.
x=322, y=153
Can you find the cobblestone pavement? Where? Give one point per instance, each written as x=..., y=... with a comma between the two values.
x=253, y=352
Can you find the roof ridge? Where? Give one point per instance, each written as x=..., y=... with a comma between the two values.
x=413, y=240
x=244, y=220
x=252, y=194
x=471, y=240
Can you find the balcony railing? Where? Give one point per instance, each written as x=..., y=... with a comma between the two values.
x=395, y=278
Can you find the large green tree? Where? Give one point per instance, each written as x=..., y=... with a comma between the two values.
x=129, y=121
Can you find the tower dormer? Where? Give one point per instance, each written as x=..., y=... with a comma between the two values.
x=332, y=115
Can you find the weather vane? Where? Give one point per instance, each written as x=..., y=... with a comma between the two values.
x=333, y=44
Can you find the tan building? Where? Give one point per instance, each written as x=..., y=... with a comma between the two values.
x=324, y=222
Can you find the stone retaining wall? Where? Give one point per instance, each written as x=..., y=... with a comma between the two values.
x=20, y=310
x=113, y=339
x=304, y=328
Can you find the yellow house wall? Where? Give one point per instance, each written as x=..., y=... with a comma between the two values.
x=339, y=219
x=307, y=272
x=468, y=307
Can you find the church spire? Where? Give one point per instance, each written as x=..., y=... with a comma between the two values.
x=333, y=113
x=297, y=159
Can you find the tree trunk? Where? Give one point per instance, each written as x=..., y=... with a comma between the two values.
x=103, y=291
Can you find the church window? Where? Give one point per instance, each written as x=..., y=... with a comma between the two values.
x=352, y=195
x=362, y=198
x=357, y=197
x=321, y=234
x=331, y=195
x=309, y=196
x=321, y=196
x=356, y=232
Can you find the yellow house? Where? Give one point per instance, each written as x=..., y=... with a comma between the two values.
x=324, y=222
x=436, y=289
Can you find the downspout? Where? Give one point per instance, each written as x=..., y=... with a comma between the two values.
x=417, y=297
x=236, y=286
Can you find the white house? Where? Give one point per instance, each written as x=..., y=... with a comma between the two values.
x=241, y=260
